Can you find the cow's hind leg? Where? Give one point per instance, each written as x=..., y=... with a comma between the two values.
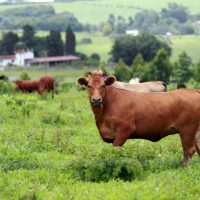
x=188, y=143
x=197, y=141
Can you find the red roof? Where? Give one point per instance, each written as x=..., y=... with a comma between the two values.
x=7, y=57
x=54, y=59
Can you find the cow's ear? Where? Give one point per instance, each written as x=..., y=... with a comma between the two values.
x=82, y=81
x=110, y=80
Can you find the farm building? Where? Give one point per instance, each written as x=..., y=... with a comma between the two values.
x=53, y=59
x=26, y=57
x=18, y=58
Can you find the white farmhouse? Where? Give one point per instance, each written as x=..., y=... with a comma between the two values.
x=6, y=60
x=19, y=58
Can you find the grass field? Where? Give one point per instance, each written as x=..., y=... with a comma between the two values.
x=51, y=149
x=103, y=44
x=96, y=11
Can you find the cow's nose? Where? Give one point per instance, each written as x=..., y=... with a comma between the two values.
x=96, y=101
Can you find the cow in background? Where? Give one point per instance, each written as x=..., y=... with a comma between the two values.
x=180, y=85
x=46, y=83
x=27, y=85
x=135, y=86
x=151, y=86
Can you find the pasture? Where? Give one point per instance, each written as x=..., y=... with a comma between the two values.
x=51, y=149
x=95, y=11
x=103, y=44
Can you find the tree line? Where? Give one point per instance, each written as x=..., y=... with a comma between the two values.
x=41, y=17
x=52, y=45
x=175, y=19
x=150, y=60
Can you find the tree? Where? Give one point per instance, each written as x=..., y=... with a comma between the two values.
x=122, y=72
x=70, y=41
x=28, y=36
x=196, y=71
x=140, y=69
x=160, y=67
x=176, y=11
x=145, y=20
x=121, y=25
x=127, y=47
x=183, y=68
x=107, y=28
x=20, y=45
x=8, y=42
x=95, y=56
x=111, y=21
x=55, y=45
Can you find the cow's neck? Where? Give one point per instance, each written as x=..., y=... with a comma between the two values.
x=98, y=111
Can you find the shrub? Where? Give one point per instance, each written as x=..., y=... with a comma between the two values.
x=6, y=87
x=113, y=164
x=86, y=41
x=20, y=106
x=24, y=76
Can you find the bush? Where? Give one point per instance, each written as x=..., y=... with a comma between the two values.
x=86, y=41
x=6, y=87
x=24, y=76
x=20, y=105
x=113, y=164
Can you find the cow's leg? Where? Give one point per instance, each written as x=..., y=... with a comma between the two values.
x=122, y=135
x=188, y=143
x=197, y=141
x=52, y=95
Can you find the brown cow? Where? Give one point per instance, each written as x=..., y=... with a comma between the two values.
x=121, y=114
x=27, y=85
x=46, y=83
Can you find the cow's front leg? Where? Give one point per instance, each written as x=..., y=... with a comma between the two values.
x=122, y=135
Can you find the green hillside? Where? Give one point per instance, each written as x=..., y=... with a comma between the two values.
x=96, y=11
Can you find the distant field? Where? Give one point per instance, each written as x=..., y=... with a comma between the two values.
x=103, y=44
x=96, y=11
x=189, y=44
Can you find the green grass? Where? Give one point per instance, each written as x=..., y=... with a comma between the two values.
x=189, y=44
x=98, y=11
x=103, y=44
x=56, y=152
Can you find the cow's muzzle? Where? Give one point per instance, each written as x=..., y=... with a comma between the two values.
x=96, y=101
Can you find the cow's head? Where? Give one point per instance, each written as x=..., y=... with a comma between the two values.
x=96, y=83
